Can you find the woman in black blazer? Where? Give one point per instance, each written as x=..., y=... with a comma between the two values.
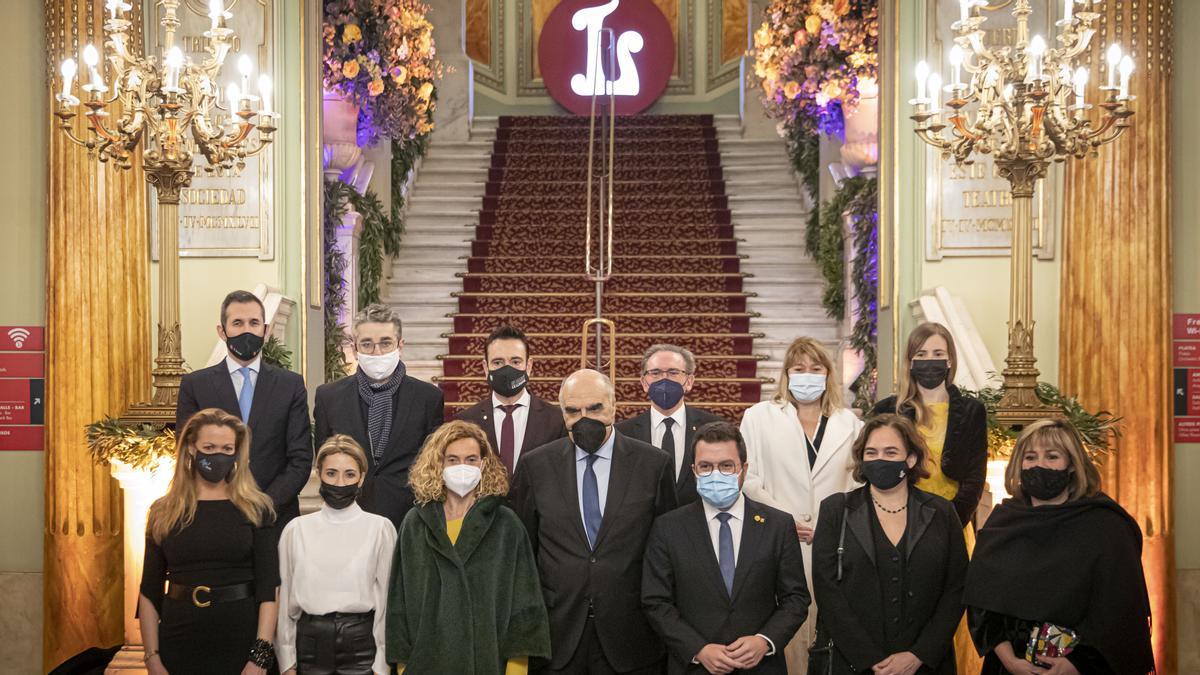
x=891, y=601
x=954, y=427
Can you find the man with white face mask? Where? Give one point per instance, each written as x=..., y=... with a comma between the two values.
x=381, y=407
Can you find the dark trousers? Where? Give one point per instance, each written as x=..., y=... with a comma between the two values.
x=335, y=644
x=589, y=658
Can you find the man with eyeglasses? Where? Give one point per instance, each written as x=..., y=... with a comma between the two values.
x=514, y=419
x=668, y=373
x=388, y=412
x=723, y=579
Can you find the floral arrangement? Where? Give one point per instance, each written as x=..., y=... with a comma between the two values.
x=380, y=55
x=810, y=58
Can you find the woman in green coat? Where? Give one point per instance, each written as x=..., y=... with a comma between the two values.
x=465, y=595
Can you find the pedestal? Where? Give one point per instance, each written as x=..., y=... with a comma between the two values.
x=139, y=488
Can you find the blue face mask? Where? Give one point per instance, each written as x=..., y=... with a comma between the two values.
x=719, y=490
x=806, y=386
x=666, y=394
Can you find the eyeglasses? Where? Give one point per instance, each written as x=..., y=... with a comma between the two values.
x=726, y=468
x=659, y=373
x=384, y=346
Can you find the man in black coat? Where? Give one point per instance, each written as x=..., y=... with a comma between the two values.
x=588, y=502
x=389, y=413
x=274, y=405
x=723, y=582
x=514, y=419
x=668, y=373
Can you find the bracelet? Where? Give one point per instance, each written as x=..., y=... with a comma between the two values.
x=262, y=654
x=149, y=655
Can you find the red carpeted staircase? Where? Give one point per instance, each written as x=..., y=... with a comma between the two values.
x=676, y=269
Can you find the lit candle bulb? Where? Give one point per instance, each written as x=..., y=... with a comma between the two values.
x=216, y=12
x=1068, y=10
x=264, y=90
x=956, y=60
x=922, y=76
x=1113, y=57
x=115, y=7
x=1081, y=79
x=69, y=68
x=935, y=87
x=235, y=97
x=1037, y=47
x=245, y=67
x=174, y=63
x=1126, y=71
x=964, y=10
x=91, y=58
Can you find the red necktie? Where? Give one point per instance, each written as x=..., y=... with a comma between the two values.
x=508, y=437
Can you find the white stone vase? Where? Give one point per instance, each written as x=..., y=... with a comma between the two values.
x=860, y=152
x=339, y=128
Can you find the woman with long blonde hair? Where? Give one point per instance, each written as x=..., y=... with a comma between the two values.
x=798, y=449
x=465, y=596
x=209, y=579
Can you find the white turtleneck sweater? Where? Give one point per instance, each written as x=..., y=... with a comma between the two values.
x=333, y=561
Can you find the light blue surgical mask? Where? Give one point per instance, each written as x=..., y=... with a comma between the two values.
x=718, y=490
x=806, y=387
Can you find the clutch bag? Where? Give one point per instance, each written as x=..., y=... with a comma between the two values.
x=1048, y=639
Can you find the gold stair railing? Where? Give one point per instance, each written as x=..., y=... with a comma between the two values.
x=600, y=270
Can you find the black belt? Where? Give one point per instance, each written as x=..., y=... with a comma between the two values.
x=340, y=616
x=203, y=596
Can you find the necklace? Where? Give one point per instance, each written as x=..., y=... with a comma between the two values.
x=886, y=509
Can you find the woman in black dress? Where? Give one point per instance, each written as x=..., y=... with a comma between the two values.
x=1059, y=557
x=890, y=601
x=208, y=594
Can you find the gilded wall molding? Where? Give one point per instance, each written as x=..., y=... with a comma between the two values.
x=492, y=74
x=719, y=70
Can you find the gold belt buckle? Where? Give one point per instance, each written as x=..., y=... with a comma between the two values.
x=196, y=599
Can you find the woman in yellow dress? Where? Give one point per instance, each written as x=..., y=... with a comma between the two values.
x=955, y=429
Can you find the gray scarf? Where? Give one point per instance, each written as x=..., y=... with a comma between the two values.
x=378, y=397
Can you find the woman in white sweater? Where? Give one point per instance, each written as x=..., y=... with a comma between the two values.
x=798, y=446
x=334, y=566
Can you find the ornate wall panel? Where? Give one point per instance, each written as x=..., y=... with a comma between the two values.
x=485, y=41
x=726, y=40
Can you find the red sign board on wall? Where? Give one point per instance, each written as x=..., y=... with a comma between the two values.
x=1186, y=389
x=574, y=47
x=22, y=389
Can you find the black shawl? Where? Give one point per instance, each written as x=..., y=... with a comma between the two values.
x=1077, y=565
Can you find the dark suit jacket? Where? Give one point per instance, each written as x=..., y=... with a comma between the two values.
x=684, y=595
x=545, y=496
x=964, y=453
x=281, y=451
x=852, y=610
x=419, y=409
x=544, y=424
x=685, y=483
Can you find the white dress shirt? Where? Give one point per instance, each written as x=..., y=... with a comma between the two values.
x=334, y=561
x=602, y=466
x=658, y=429
x=520, y=420
x=236, y=376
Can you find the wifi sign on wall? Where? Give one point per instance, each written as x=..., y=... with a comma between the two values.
x=22, y=387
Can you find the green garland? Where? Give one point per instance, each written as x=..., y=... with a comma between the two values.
x=336, y=204
x=863, y=210
x=141, y=446
x=1098, y=429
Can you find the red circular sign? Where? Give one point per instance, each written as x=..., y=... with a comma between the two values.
x=574, y=55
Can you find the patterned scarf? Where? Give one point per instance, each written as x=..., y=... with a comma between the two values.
x=378, y=397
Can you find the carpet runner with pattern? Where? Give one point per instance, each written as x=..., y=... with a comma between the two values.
x=676, y=269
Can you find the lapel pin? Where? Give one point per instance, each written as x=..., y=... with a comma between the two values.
x=759, y=519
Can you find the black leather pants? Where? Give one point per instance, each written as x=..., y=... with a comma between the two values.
x=335, y=644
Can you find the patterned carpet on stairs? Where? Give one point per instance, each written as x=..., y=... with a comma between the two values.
x=676, y=270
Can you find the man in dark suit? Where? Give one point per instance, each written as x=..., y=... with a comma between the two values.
x=668, y=373
x=588, y=502
x=723, y=582
x=271, y=401
x=514, y=419
x=385, y=410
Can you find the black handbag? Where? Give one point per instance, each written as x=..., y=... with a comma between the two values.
x=820, y=652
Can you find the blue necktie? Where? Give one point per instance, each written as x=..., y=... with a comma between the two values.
x=247, y=396
x=591, y=502
x=725, y=547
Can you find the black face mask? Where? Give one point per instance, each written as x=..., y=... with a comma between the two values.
x=244, y=346
x=929, y=373
x=1044, y=484
x=885, y=474
x=214, y=467
x=338, y=496
x=507, y=381
x=588, y=434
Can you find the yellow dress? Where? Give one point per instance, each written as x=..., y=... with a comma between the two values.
x=517, y=666
x=934, y=433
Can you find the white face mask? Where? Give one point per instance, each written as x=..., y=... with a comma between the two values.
x=461, y=478
x=806, y=386
x=379, y=367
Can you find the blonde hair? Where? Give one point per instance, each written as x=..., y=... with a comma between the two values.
x=341, y=444
x=802, y=347
x=425, y=477
x=177, y=509
x=1060, y=434
x=909, y=394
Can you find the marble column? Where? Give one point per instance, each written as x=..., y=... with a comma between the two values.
x=452, y=118
x=98, y=353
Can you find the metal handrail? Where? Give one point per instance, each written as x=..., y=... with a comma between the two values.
x=602, y=270
x=600, y=325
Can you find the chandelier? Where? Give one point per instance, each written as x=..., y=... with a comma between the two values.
x=1025, y=104
x=174, y=110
